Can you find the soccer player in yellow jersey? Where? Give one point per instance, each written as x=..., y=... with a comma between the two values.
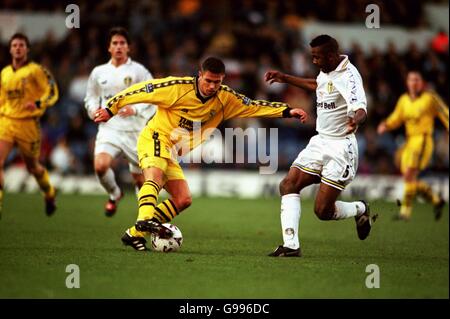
x=26, y=90
x=188, y=108
x=417, y=110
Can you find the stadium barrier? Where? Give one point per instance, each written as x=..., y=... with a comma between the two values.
x=230, y=183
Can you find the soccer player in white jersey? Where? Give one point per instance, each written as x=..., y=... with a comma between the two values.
x=331, y=156
x=118, y=136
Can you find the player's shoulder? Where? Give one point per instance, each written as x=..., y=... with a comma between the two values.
x=430, y=94
x=7, y=69
x=101, y=68
x=227, y=90
x=137, y=65
x=39, y=68
x=352, y=70
x=174, y=80
x=403, y=98
x=433, y=97
x=32, y=65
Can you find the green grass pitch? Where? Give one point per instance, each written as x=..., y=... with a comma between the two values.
x=223, y=255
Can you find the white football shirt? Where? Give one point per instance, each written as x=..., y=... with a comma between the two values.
x=107, y=80
x=340, y=94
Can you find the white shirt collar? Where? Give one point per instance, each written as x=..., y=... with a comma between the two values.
x=127, y=62
x=343, y=65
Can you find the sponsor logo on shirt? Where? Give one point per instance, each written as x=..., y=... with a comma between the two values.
x=326, y=106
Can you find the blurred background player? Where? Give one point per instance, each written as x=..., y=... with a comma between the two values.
x=417, y=110
x=331, y=156
x=187, y=108
x=118, y=136
x=27, y=89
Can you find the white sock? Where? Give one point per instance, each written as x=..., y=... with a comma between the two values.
x=136, y=190
x=346, y=210
x=108, y=181
x=290, y=218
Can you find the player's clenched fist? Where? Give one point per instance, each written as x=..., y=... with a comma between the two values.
x=101, y=115
x=300, y=114
x=274, y=76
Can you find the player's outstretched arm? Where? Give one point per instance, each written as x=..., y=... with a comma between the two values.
x=280, y=77
x=239, y=106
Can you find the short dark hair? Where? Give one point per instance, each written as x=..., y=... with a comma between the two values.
x=415, y=71
x=20, y=36
x=330, y=43
x=119, y=31
x=213, y=65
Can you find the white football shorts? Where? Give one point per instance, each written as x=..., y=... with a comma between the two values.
x=334, y=160
x=116, y=142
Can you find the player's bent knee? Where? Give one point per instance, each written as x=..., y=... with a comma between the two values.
x=35, y=169
x=324, y=212
x=287, y=186
x=101, y=168
x=182, y=202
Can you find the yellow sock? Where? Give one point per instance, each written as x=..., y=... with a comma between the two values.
x=166, y=211
x=405, y=211
x=426, y=192
x=136, y=233
x=408, y=196
x=44, y=184
x=147, y=198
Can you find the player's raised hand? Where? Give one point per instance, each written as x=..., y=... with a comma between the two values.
x=101, y=115
x=300, y=114
x=274, y=76
x=126, y=111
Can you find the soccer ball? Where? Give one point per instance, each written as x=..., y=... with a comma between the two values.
x=168, y=245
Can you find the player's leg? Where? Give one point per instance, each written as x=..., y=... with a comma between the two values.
x=338, y=171
x=304, y=171
x=109, y=144
x=290, y=212
x=423, y=189
x=154, y=158
x=28, y=137
x=180, y=199
x=42, y=177
x=327, y=207
x=129, y=149
x=409, y=192
x=5, y=149
x=178, y=189
x=147, y=199
x=411, y=158
x=106, y=177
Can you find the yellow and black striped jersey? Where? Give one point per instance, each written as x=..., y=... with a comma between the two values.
x=418, y=115
x=30, y=83
x=181, y=106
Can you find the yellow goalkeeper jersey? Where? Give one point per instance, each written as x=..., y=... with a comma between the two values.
x=418, y=115
x=30, y=83
x=181, y=107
